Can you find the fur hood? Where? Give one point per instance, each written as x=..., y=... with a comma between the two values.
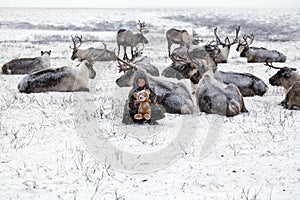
x=140, y=74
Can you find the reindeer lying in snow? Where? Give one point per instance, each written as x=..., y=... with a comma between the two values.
x=183, y=67
x=173, y=97
x=290, y=80
x=27, y=65
x=255, y=54
x=90, y=53
x=222, y=57
x=248, y=84
x=215, y=97
x=144, y=63
x=62, y=79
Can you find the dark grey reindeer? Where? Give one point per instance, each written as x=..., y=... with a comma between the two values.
x=255, y=54
x=27, y=65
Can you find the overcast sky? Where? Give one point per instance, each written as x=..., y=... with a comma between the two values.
x=151, y=3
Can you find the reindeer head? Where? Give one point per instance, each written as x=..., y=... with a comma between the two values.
x=283, y=76
x=242, y=45
x=77, y=41
x=227, y=41
x=129, y=70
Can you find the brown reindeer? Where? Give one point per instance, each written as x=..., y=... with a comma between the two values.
x=290, y=80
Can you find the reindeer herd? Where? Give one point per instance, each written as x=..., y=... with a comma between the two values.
x=215, y=91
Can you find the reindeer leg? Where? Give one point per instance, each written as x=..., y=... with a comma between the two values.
x=131, y=52
x=125, y=54
x=118, y=49
x=169, y=48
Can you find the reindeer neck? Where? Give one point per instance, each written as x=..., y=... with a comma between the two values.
x=82, y=71
x=292, y=80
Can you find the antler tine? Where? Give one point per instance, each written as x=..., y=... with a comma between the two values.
x=196, y=36
x=122, y=64
x=251, y=37
x=192, y=61
x=217, y=37
x=105, y=46
x=244, y=43
x=79, y=38
x=236, y=39
x=270, y=65
x=142, y=25
x=177, y=58
x=74, y=40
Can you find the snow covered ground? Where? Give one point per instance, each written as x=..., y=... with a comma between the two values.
x=56, y=145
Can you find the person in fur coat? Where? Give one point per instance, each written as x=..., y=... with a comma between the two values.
x=141, y=82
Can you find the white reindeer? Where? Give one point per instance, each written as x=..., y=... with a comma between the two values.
x=62, y=79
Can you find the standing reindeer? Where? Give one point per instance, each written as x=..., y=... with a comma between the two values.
x=127, y=38
x=255, y=54
x=223, y=56
x=290, y=80
x=90, y=53
x=181, y=37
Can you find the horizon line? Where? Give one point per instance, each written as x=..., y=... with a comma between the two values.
x=224, y=7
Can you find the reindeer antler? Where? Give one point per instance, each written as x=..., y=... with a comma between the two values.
x=122, y=64
x=196, y=37
x=77, y=40
x=142, y=26
x=270, y=65
x=246, y=36
x=177, y=58
x=217, y=37
x=237, y=30
x=236, y=39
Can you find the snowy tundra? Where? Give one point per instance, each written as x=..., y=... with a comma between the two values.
x=44, y=137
